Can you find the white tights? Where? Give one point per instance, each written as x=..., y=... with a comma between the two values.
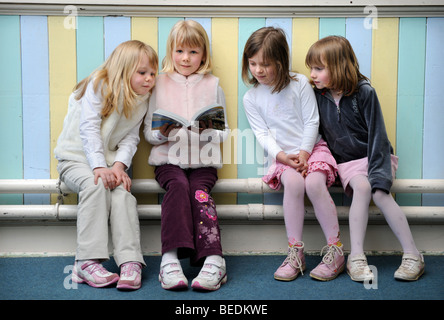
x=325, y=210
x=358, y=216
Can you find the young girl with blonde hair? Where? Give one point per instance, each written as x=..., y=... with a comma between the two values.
x=189, y=224
x=282, y=112
x=353, y=126
x=98, y=141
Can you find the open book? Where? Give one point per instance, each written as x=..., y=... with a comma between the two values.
x=215, y=113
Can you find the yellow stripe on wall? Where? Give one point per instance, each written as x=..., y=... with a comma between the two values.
x=305, y=33
x=144, y=29
x=385, y=70
x=225, y=58
x=62, y=79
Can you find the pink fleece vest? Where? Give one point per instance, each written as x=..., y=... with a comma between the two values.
x=185, y=96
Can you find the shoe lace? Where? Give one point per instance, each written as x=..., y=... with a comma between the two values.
x=330, y=255
x=293, y=257
x=94, y=267
x=360, y=264
x=408, y=263
x=129, y=268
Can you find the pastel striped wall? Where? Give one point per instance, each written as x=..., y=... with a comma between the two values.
x=41, y=60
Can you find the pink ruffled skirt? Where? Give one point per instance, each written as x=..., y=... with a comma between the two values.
x=320, y=159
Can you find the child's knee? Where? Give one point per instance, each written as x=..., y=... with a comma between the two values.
x=315, y=184
x=361, y=186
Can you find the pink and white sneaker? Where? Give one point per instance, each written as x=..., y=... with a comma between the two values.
x=171, y=276
x=94, y=274
x=332, y=264
x=130, y=276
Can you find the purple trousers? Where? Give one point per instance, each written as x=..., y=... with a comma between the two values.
x=189, y=220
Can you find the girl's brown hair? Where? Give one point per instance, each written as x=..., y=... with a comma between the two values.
x=275, y=51
x=114, y=76
x=336, y=54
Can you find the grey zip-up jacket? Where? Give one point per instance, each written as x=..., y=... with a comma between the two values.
x=356, y=130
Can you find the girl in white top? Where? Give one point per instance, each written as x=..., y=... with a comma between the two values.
x=98, y=141
x=282, y=111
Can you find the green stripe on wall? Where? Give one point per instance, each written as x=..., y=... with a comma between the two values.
x=410, y=103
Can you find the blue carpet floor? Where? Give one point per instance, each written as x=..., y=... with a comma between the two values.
x=249, y=278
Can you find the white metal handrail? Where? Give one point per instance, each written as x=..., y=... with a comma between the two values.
x=62, y=212
x=249, y=185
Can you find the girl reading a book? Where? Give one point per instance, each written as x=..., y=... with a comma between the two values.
x=186, y=159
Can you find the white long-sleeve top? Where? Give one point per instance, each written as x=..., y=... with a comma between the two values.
x=286, y=121
x=89, y=138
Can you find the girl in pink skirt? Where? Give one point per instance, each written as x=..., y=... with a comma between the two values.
x=353, y=126
x=282, y=111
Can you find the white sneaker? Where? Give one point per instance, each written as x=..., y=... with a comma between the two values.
x=171, y=275
x=357, y=268
x=130, y=276
x=93, y=273
x=212, y=275
x=412, y=267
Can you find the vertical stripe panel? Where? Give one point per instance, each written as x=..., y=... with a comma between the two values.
x=35, y=89
x=409, y=125
x=11, y=157
x=144, y=29
x=225, y=57
x=117, y=30
x=433, y=108
x=206, y=24
x=248, y=150
x=62, y=79
x=90, y=45
x=385, y=71
x=305, y=33
x=331, y=26
x=165, y=25
x=360, y=38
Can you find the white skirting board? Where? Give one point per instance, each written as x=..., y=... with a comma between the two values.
x=18, y=240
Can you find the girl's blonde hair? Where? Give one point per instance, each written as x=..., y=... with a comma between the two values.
x=275, y=51
x=336, y=54
x=114, y=76
x=191, y=34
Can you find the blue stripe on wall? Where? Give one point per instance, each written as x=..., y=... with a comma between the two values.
x=35, y=89
x=433, y=153
x=11, y=125
x=117, y=30
x=360, y=38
